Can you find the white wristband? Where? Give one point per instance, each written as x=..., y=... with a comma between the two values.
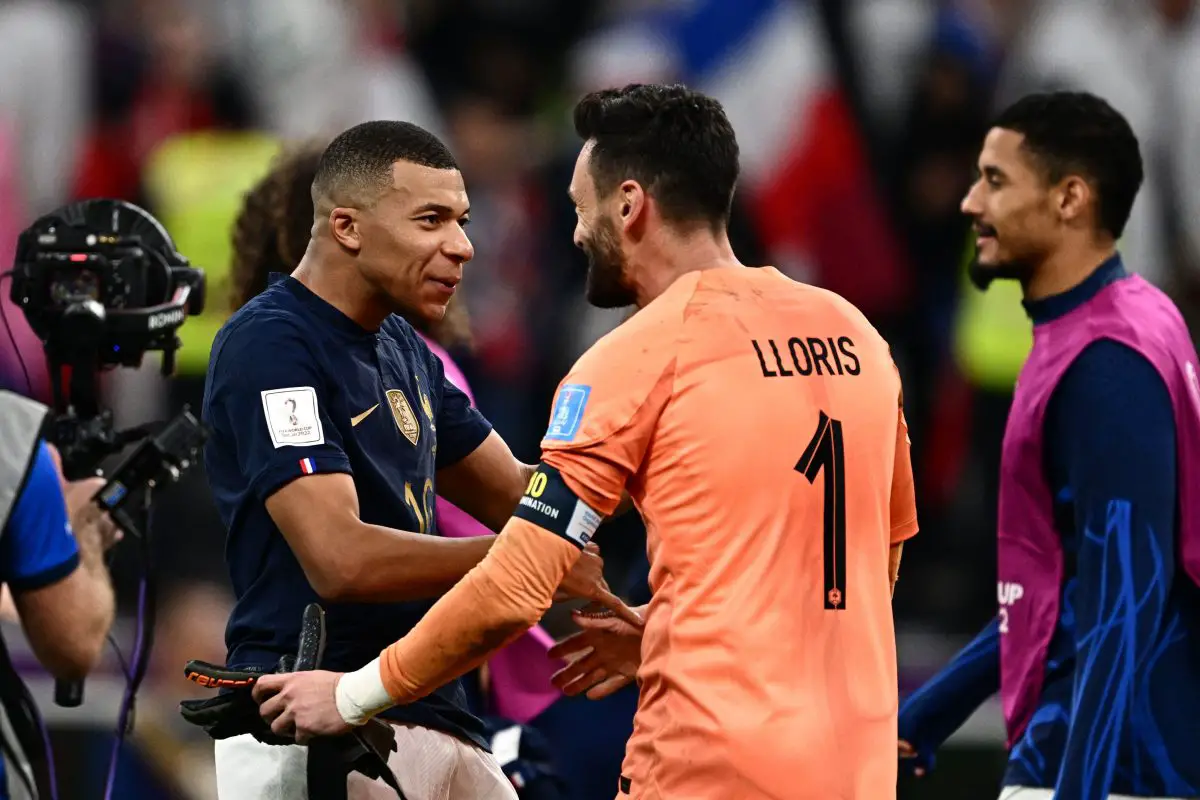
x=361, y=695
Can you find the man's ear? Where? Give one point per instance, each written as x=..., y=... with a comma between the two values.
x=345, y=226
x=1073, y=196
x=631, y=203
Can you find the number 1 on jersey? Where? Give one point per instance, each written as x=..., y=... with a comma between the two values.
x=825, y=451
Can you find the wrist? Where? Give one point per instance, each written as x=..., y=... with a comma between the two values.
x=361, y=695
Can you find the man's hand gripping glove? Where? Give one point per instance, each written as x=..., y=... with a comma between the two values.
x=234, y=712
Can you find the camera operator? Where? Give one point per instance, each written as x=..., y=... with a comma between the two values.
x=52, y=543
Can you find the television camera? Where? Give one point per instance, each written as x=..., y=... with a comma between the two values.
x=101, y=285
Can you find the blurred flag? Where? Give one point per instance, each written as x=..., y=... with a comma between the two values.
x=803, y=159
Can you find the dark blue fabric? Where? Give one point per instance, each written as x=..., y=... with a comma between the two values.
x=936, y=710
x=1119, y=706
x=288, y=338
x=1121, y=695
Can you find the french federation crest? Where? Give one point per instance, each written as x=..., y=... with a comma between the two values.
x=402, y=412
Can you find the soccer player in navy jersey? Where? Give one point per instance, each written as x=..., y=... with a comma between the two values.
x=332, y=424
x=1095, y=646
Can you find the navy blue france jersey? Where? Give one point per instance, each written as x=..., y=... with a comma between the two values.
x=1129, y=620
x=295, y=387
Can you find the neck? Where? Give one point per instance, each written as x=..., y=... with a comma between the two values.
x=340, y=285
x=1066, y=269
x=672, y=255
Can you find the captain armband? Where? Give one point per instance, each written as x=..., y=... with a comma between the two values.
x=550, y=504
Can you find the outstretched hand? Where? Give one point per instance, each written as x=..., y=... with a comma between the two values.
x=602, y=658
x=586, y=581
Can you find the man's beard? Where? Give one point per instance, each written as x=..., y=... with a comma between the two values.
x=606, y=284
x=982, y=275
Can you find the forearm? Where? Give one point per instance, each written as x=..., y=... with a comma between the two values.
x=506, y=595
x=381, y=565
x=934, y=712
x=102, y=608
x=500, y=599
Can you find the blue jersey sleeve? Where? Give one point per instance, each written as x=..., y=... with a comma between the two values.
x=460, y=426
x=268, y=399
x=935, y=711
x=1111, y=422
x=38, y=547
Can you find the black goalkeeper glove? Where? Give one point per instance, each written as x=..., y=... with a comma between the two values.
x=234, y=712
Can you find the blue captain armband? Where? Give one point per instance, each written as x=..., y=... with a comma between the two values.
x=551, y=505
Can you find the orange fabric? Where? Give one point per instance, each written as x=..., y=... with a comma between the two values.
x=501, y=598
x=750, y=688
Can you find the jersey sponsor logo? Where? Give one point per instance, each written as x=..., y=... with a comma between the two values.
x=292, y=415
x=1007, y=593
x=810, y=355
x=567, y=416
x=402, y=412
x=357, y=418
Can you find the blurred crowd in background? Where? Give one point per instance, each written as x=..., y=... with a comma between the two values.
x=859, y=122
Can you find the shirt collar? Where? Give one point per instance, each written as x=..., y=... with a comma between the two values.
x=1058, y=305
x=319, y=307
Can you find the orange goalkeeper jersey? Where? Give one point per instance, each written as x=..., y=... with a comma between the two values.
x=756, y=423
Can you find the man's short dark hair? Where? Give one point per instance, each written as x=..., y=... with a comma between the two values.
x=678, y=144
x=357, y=165
x=1077, y=132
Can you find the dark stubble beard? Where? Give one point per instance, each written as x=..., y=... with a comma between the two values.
x=606, y=276
x=982, y=276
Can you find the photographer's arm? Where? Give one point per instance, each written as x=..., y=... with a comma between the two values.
x=61, y=587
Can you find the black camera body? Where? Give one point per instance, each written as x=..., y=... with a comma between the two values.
x=100, y=281
x=101, y=284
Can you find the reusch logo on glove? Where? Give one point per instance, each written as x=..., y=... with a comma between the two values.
x=216, y=683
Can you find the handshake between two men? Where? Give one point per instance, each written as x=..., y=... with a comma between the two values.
x=297, y=703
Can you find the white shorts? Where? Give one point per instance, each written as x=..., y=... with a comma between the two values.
x=428, y=764
x=1024, y=793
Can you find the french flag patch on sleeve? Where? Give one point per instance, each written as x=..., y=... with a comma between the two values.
x=306, y=466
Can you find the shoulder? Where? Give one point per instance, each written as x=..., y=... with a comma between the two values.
x=260, y=325
x=265, y=334
x=648, y=340
x=1109, y=384
x=1108, y=362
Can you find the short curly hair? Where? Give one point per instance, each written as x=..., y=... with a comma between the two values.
x=273, y=228
x=1078, y=132
x=677, y=143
